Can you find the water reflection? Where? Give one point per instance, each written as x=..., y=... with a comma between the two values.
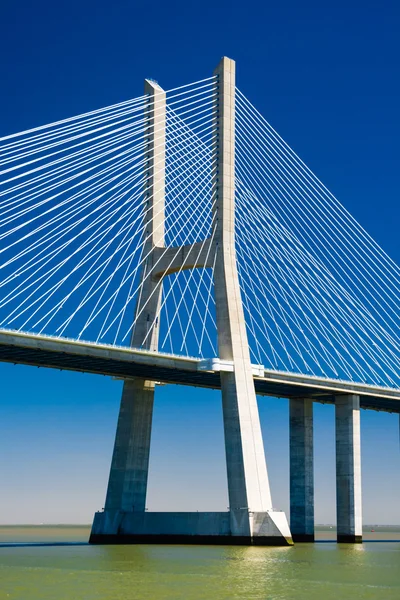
x=154, y=572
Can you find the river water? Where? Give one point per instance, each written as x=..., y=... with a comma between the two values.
x=35, y=566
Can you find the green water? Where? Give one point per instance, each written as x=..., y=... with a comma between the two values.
x=321, y=571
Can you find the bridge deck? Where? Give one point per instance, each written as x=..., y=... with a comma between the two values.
x=88, y=357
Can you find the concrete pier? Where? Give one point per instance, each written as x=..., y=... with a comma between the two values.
x=251, y=518
x=301, y=469
x=110, y=527
x=348, y=469
x=127, y=484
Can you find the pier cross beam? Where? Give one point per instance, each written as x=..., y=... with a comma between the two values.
x=251, y=518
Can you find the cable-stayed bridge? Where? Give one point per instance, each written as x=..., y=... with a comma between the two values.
x=177, y=238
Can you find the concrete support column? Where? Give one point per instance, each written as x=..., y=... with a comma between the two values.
x=348, y=468
x=248, y=487
x=127, y=485
x=301, y=469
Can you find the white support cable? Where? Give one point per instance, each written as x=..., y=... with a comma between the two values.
x=282, y=334
x=333, y=230
x=283, y=317
x=339, y=362
x=362, y=234
x=337, y=286
x=177, y=251
x=160, y=258
x=57, y=184
x=143, y=144
x=112, y=132
x=99, y=179
x=198, y=291
x=362, y=294
x=181, y=240
x=251, y=224
x=178, y=187
x=90, y=155
x=87, y=274
x=194, y=302
x=137, y=267
x=60, y=193
x=269, y=343
x=49, y=256
x=70, y=119
x=49, y=293
x=247, y=224
x=365, y=288
x=143, y=102
x=250, y=326
x=50, y=273
x=205, y=153
x=140, y=245
x=54, y=174
x=209, y=295
x=273, y=294
x=180, y=269
x=100, y=110
x=142, y=161
x=181, y=87
x=172, y=280
x=259, y=308
x=57, y=217
x=167, y=317
x=178, y=218
x=133, y=279
x=200, y=98
x=66, y=131
x=85, y=280
x=58, y=231
x=114, y=187
x=327, y=306
x=80, y=183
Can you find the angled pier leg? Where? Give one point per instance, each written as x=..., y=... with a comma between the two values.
x=252, y=516
x=348, y=468
x=301, y=469
x=127, y=484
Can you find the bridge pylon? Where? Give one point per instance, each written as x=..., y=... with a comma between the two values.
x=251, y=518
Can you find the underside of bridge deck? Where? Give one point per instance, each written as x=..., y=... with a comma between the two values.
x=68, y=357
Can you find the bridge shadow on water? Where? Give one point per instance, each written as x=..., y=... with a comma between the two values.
x=74, y=544
x=40, y=544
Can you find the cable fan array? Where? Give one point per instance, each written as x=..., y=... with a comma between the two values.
x=72, y=234
x=319, y=295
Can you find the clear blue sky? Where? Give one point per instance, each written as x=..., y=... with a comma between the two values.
x=326, y=75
